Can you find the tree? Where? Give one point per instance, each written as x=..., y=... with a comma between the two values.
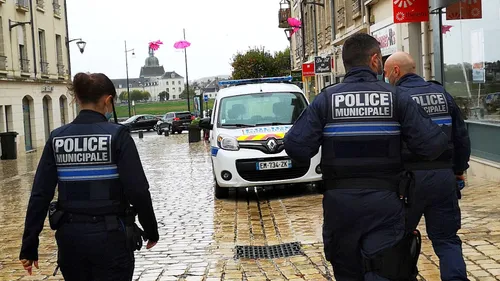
x=184, y=93
x=136, y=95
x=123, y=95
x=282, y=60
x=146, y=95
x=254, y=63
x=164, y=96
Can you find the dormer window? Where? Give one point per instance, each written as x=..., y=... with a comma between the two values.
x=172, y=75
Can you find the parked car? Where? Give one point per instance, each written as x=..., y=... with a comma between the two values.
x=174, y=122
x=141, y=122
x=250, y=120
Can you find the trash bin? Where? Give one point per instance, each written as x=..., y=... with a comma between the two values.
x=9, y=145
x=194, y=134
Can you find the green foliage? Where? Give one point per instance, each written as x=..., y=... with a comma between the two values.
x=123, y=95
x=164, y=96
x=184, y=93
x=257, y=62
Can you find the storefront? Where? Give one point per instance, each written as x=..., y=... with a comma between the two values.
x=466, y=36
x=308, y=78
x=468, y=56
x=385, y=33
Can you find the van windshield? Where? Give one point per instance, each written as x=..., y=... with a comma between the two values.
x=261, y=109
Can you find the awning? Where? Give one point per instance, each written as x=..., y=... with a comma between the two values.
x=437, y=4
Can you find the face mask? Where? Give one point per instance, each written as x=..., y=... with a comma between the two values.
x=108, y=115
x=387, y=80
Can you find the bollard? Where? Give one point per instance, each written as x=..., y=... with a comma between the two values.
x=141, y=134
x=166, y=133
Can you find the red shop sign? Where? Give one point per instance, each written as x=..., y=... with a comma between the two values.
x=465, y=9
x=410, y=10
x=308, y=69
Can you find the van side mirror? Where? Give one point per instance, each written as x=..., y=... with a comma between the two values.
x=205, y=123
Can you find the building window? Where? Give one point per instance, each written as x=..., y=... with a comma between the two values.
x=3, y=58
x=178, y=82
x=23, y=52
x=173, y=89
x=40, y=4
x=44, y=65
x=57, y=8
x=59, y=53
x=471, y=58
x=167, y=83
x=180, y=90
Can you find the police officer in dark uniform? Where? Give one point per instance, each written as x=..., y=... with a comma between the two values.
x=359, y=125
x=437, y=193
x=97, y=169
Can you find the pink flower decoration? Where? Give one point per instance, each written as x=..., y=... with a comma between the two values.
x=155, y=45
x=295, y=29
x=182, y=44
x=293, y=22
x=446, y=28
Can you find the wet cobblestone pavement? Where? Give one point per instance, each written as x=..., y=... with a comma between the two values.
x=198, y=234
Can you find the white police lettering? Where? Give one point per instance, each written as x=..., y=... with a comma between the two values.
x=82, y=150
x=432, y=103
x=362, y=105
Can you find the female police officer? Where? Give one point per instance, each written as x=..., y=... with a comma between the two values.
x=97, y=169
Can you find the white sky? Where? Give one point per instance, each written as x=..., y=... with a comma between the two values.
x=216, y=29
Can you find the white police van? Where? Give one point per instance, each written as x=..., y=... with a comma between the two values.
x=249, y=120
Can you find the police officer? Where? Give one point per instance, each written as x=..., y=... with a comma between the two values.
x=359, y=125
x=436, y=188
x=97, y=169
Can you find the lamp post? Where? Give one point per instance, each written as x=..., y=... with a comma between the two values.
x=128, y=84
x=288, y=33
x=187, y=77
x=81, y=46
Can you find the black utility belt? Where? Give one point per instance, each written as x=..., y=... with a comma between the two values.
x=361, y=183
x=78, y=218
x=423, y=166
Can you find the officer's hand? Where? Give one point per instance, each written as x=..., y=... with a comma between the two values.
x=460, y=181
x=27, y=264
x=150, y=244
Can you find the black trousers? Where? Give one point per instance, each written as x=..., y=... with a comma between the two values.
x=90, y=252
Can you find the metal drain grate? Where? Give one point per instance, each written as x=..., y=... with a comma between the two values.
x=268, y=252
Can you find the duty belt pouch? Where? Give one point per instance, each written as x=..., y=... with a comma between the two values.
x=55, y=216
x=134, y=233
x=399, y=262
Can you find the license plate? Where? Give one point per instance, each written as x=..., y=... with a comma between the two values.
x=273, y=165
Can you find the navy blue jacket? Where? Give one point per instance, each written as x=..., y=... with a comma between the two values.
x=414, y=126
x=132, y=178
x=415, y=85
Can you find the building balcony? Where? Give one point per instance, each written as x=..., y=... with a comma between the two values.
x=57, y=9
x=23, y=5
x=3, y=63
x=341, y=18
x=328, y=34
x=60, y=70
x=25, y=65
x=44, y=68
x=356, y=9
x=40, y=5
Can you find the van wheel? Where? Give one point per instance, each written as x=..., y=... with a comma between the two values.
x=172, y=131
x=221, y=192
x=320, y=187
x=159, y=132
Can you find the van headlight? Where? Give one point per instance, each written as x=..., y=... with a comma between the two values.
x=228, y=143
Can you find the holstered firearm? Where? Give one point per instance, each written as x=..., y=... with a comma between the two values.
x=406, y=188
x=135, y=235
x=56, y=215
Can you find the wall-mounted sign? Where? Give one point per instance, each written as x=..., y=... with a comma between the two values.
x=47, y=89
x=308, y=69
x=387, y=38
x=323, y=64
x=296, y=76
x=477, y=56
x=410, y=10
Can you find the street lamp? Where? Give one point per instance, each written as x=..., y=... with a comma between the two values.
x=288, y=33
x=81, y=45
x=128, y=84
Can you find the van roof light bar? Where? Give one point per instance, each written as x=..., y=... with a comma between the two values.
x=256, y=81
